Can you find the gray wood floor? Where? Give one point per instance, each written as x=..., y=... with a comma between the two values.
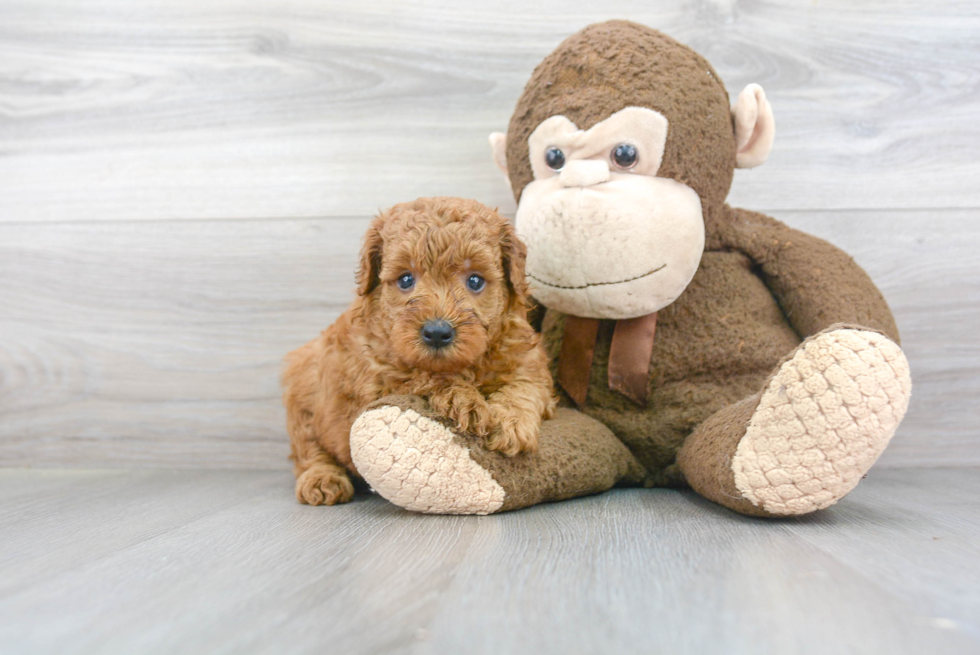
x=227, y=562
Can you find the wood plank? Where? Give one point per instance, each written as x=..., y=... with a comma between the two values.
x=909, y=532
x=135, y=338
x=43, y=528
x=159, y=343
x=667, y=569
x=116, y=111
x=631, y=571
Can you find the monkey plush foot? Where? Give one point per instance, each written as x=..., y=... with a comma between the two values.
x=418, y=460
x=806, y=440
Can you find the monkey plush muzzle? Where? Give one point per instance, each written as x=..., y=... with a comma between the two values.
x=619, y=249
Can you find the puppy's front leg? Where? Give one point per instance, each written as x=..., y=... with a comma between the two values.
x=464, y=404
x=518, y=410
x=519, y=406
x=320, y=478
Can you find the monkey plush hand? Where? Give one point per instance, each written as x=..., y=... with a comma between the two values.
x=695, y=343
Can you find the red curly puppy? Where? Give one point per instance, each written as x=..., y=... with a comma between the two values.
x=441, y=313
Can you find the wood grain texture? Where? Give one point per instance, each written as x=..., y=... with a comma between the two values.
x=184, y=186
x=159, y=343
x=228, y=562
x=111, y=110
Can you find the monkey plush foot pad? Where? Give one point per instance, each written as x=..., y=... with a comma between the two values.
x=825, y=417
x=416, y=463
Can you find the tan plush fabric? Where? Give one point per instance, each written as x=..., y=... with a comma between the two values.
x=824, y=418
x=755, y=127
x=414, y=462
x=498, y=149
x=584, y=172
x=644, y=128
x=637, y=268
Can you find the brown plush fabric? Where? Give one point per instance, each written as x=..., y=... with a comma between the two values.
x=577, y=456
x=714, y=345
x=610, y=66
x=816, y=283
x=706, y=457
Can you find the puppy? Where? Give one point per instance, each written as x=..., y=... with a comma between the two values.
x=441, y=312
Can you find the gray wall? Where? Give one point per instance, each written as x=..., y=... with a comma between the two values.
x=183, y=187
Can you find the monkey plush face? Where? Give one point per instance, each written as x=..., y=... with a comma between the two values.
x=588, y=254
x=625, y=148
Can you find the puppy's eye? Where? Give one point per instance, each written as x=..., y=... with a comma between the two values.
x=554, y=158
x=625, y=155
x=475, y=283
x=406, y=281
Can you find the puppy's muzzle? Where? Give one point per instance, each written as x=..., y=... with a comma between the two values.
x=437, y=333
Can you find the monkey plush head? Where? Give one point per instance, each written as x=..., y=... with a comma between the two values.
x=620, y=154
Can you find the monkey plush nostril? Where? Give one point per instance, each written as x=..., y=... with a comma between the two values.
x=438, y=333
x=584, y=172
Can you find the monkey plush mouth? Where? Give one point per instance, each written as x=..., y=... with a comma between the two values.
x=596, y=284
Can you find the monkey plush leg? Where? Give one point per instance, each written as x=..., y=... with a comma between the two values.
x=805, y=440
x=415, y=458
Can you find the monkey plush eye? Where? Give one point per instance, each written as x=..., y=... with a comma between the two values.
x=625, y=155
x=475, y=283
x=406, y=281
x=555, y=158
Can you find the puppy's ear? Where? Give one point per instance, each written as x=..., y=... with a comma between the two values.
x=369, y=270
x=515, y=253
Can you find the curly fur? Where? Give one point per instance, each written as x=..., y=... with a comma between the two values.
x=492, y=381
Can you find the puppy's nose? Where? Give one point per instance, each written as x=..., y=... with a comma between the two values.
x=584, y=172
x=438, y=333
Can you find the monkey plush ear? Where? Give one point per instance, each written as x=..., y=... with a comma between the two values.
x=754, y=127
x=369, y=270
x=498, y=146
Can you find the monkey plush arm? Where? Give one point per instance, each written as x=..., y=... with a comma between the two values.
x=816, y=284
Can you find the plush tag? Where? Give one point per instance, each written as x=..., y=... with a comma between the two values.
x=629, y=357
x=575, y=359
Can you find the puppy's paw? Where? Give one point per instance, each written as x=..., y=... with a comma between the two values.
x=324, y=485
x=516, y=432
x=467, y=407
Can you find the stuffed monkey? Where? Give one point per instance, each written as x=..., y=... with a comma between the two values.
x=693, y=343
